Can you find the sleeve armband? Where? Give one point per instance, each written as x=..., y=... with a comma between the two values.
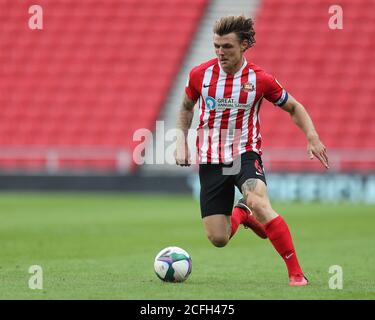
x=283, y=98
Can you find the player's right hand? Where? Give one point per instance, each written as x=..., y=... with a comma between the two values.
x=182, y=155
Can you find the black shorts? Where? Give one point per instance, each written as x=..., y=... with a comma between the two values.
x=218, y=181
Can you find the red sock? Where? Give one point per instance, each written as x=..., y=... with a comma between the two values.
x=238, y=216
x=278, y=232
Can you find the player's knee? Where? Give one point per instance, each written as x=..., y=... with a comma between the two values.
x=218, y=241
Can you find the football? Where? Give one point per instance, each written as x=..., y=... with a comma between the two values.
x=173, y=264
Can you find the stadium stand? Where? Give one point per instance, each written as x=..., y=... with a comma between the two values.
x=332, y=72
x=72, y=94
x=98, y=71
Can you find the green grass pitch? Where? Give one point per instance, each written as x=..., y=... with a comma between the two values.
x=102, y=246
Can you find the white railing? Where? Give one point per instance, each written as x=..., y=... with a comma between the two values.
x=53, y=156
x=337, y=157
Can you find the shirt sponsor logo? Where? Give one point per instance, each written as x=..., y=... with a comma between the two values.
x=224, y=103
x=210, y=103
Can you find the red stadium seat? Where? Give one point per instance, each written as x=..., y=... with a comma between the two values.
x=98, y=72
x=331, y=71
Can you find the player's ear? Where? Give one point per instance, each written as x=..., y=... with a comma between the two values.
x=244, y=45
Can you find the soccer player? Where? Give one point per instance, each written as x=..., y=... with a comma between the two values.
x=229, y=91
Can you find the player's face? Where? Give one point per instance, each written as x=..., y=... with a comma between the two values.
x=229, y=51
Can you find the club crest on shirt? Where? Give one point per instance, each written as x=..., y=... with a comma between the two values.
x=248, y=87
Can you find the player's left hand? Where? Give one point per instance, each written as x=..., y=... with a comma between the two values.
x=316, y=148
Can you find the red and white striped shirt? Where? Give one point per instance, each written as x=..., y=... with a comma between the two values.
x=229, y=108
